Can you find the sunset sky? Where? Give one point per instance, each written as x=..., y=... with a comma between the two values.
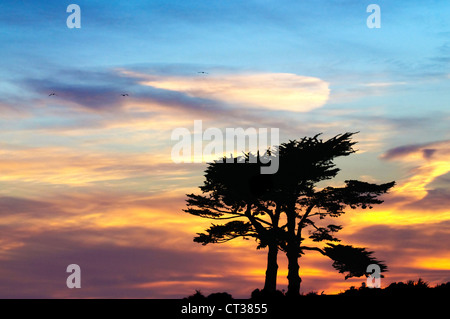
x=87, y=178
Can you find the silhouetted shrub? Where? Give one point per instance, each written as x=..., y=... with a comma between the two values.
x=220, y=297
x=258, y=294
x=444, y=288
x=197, y=296
x=398, y=289
x=214, y=297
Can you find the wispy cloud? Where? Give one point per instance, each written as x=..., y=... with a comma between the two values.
x=276, y=91
x=384, y=84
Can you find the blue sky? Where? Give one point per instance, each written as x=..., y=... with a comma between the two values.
x=256, y=34
x=321, y=39
x=90, y=145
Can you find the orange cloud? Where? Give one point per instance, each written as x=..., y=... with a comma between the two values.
x=70, y=166
x=428, y=162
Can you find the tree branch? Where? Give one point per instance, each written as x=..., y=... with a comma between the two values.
x=302, y=220
x=313, y=248
x=265, y=209
x=261, y=220
x=254, y=220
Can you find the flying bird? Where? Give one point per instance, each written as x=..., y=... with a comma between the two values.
x=124, y=94
x=202, y=72
x=51, y=94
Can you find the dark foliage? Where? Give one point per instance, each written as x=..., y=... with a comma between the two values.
x=400, y=289
x=352, y=260
x=213, y=297
x=410, y=288
x=261, y=295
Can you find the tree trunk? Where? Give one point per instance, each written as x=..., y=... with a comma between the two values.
x=270, y=284
x=293, y=273
x=292, y=253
